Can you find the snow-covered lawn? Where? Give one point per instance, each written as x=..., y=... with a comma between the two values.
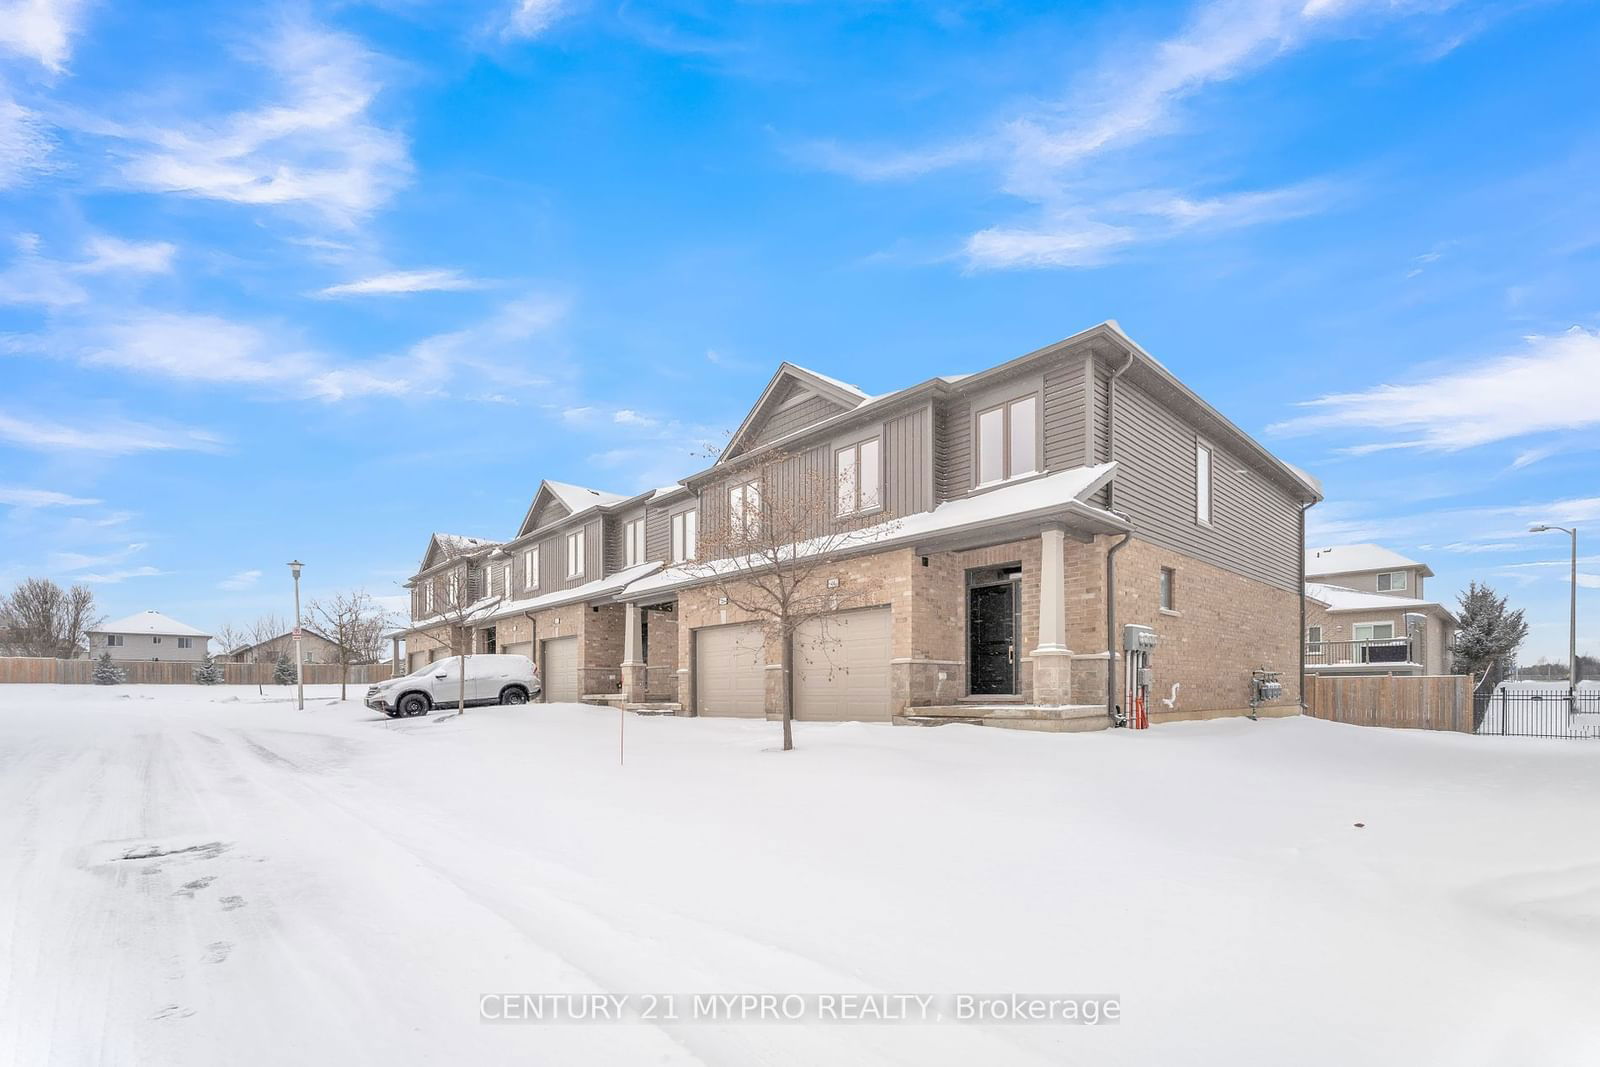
x=1543, y=709
x=207, y=876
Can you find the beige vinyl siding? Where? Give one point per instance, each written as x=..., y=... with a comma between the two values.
x=1254, y=527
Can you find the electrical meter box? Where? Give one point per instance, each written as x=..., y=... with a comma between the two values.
x=1137, y=638
x=1147, y=677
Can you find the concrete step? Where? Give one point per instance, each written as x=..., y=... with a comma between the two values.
x=1068, y=718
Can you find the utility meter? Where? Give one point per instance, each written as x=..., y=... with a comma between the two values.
x=1138, y=638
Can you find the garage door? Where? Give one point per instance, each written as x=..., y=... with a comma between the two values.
x=729, y=671
x=415, y=660
x=520, y=648
x=561, y=670
x=842, y=667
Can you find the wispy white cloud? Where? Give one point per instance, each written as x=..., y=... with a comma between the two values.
x=41, y=30
x=115, y=576
x=529, y=18
x=629, y=417
x=1553, y=384
x=34, y=279
x=18, y=497
x=1487, y=546
x=241, y=580
x=403, y=281
x=108, y=437
x=317, y=145
x=24, y=144
x=77, y=561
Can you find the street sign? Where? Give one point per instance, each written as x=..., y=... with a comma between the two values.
x=295, y=633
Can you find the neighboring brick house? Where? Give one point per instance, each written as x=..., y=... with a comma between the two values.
x=992, y=501
x=149, y=635
x=1366, y=614
x=316, y=647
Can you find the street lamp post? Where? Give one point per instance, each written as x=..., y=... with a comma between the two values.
x=299, y=664
x=1572, y=622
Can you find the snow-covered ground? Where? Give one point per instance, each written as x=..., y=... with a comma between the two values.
x=1543, y=709
x=203, y=876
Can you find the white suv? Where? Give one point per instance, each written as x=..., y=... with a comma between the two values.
x=490, y=680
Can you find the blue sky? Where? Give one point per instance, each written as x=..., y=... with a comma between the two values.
x=291, y=280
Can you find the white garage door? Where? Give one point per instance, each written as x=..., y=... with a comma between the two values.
x=842, y=667
x=415, y=660
x=561, y=670
x=520, y=648
x=730, y=671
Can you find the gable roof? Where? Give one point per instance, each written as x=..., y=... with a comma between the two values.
x=452, y=545
x=1338, y=598
x=150, y=622
x=787, y=376
x=573, y=499
x=1347, y=559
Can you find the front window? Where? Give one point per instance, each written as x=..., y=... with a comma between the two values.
x=633, y=543
x=530, y=568
x=1392, y=581
x=1167, y=577
x=744, y=510
x=1008, y=440
x=684, y=530
x=858, y=477
x=1202, y=484
x=575, y=554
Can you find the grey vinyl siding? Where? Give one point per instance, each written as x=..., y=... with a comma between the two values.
x=953, y=454
x=658, y=528
x=1367, y=581
x=786, y=420
x=907, y=463
x=1065, y=436
x=1254, y=523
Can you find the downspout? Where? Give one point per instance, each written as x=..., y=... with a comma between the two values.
x=1112, y=711
x=1302, y=638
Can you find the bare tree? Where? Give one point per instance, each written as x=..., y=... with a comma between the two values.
x=455, y=603
x=356, y=623
x=231, y=639
x=772, y=536
x=39, y=618
x=266, y=627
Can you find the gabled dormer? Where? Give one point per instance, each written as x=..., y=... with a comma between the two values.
x=443, y=547
x=794, y=399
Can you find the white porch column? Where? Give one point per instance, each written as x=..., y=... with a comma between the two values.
x=1052, y=591
x=1052, y=660
x=634, y=678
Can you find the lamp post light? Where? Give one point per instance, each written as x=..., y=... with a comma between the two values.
x=1572, y=622
x=299, y=664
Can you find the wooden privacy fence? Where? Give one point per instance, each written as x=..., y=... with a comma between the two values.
x=1420, y=702
x=177, y=672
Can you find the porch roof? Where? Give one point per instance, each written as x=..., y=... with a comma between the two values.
x=1054, y=497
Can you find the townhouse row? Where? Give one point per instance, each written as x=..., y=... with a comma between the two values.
x=1012, y=522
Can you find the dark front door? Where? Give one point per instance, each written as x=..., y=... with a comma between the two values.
x=991, y=638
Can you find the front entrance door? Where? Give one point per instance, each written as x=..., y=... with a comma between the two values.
x=992, y=639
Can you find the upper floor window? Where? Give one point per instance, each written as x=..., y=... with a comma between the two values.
x=530, y=567
x=1202, y=484
x=114, y=640
x=1314, y=640
x=1008, y=440
x=427, y=596
x=633, y=543
x=185, y=642
x=685, y=527
x=1391, y=581
x=1168, y=594
x=744, y=510
x=155, y=640
x=505, y=580
x=858, y=475
x=575, y=554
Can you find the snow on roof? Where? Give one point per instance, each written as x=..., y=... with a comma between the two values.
x=1338, y=598
x=461, y=542
x=1038, y=495
x=589, y=590
x=846, y=386
x=1345, y=559
x=578, y=498
x=150, y=622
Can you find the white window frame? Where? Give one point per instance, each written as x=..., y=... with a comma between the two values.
x=575, y=554
x=530, y=567
x=633, y=543
x=427, y=596
x=1374, y=637
x=185, y=642
x=1205, y=465
x=1008, y=464
x=849, y=499
x=1314, y=644
x=744, y=509
x=505, y=579
x=685, y=532
x=1167, y=589
x=1394, y=586
x=155, y=639
x=116, y=641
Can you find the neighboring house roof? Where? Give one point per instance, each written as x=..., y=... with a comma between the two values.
x=1348, y=559
x=1337, y=598
x=1034, y=498
x=150, y=622
x=311, y=630
x=455, y=545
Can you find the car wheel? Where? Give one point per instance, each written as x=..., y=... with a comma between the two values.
x=413, y=704
x=513, y=694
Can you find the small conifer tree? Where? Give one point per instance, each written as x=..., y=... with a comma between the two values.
x=108, y=673
x=283, y=673
x=208, y=673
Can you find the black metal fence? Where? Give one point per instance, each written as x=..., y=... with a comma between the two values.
x=1541, y=711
